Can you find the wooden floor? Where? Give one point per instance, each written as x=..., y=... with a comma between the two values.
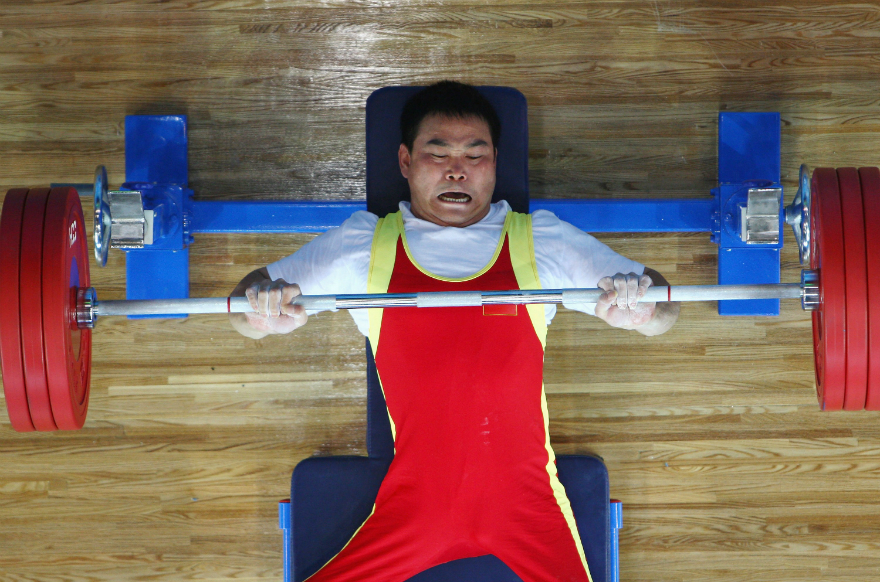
x=712, y=435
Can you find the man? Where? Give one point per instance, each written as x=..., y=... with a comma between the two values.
x=473, y=471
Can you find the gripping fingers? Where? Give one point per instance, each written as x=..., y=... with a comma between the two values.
x=264, y=304
x=644, y=282
x=610, y=296
x=619, y=306
x=288, y=294
x=626, y=290
x=280, y=294
x=258, y=297
x=632, y=290
x=268, y=298
x=252, y=294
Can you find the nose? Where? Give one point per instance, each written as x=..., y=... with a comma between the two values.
x=456, y=172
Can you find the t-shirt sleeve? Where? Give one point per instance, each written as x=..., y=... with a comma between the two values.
x=333, y=263
x=568, y=257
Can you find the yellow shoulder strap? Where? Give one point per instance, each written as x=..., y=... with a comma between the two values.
x=522, y=255
x=382, y=256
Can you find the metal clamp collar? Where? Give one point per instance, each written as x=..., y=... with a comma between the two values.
x=810, y=298
x=86, y=312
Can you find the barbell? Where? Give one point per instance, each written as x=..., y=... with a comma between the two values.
x=50, y=309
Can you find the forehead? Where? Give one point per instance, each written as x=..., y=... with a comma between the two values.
x=453, y=129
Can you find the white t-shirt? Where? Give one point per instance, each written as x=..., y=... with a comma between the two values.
x=337, y=262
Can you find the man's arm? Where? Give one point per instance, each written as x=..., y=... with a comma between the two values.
x=271, y=303
x=620, y=305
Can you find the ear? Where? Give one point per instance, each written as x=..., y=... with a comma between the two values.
x=404, y=159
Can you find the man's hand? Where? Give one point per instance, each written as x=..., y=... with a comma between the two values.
x=271, y=302
x=621, y=305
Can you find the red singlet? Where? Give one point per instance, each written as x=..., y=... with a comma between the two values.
x=473, y=471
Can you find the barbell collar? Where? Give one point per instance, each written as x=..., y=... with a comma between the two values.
x=86, y=308
x=810, y=283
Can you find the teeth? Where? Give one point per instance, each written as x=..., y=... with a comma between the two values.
x=452, y=197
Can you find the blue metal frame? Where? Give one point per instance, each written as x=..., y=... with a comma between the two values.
x=748, y=156
x=616, y=515
x=651, y=215
x=285, y=522
x=156, y=164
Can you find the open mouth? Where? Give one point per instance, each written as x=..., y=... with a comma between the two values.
x=455, y=197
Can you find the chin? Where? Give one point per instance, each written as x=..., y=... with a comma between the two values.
x=463, y=215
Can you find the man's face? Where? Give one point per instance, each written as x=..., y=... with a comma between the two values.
x=451, y=170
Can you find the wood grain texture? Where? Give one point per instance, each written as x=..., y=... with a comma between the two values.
x=711, y=433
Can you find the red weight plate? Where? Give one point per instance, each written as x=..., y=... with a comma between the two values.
x=870, y=178
x=65, y=270
x=827, y=258
x=10, y=320
x=31, y=304
x=856, y=288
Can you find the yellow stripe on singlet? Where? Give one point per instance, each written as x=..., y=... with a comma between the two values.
x=522, y=257
x=383, y=254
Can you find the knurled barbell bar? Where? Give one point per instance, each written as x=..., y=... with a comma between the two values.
x=49, y=310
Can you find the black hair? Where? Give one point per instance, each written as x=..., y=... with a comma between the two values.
x=449, y=98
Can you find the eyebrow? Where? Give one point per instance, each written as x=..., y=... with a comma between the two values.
x=442, y=143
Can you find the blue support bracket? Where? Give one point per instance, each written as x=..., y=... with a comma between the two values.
x=616, y=516
x=156, y=149
x=688, y=215
x=749, y=156
x=156, y=164
x=270, y=217
x=285, y=523
x=646, y=215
